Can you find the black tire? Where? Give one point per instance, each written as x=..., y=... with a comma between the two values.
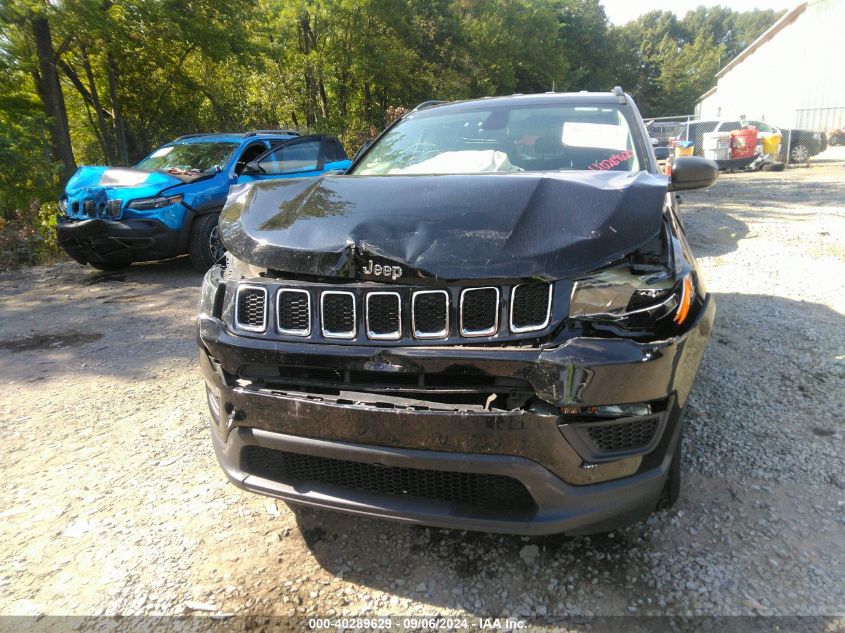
x=204, y=245
x=672, y=487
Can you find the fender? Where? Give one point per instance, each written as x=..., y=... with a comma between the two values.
x=193, y=213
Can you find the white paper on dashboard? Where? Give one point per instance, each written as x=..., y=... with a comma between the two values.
x=580, y=134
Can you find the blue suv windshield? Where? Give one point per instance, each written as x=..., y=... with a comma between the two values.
x=506, y=139
x=189, y=158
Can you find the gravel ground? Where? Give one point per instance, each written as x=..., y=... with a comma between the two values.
x=112, y=502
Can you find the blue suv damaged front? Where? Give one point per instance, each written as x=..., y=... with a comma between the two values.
x=113, y=216
x=493, y=323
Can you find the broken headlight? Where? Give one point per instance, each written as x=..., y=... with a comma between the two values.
x=146, y=204
x=620, y=296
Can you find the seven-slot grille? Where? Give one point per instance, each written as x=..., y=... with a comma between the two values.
x=294, y=312
x=478, y=311
x=251, y=308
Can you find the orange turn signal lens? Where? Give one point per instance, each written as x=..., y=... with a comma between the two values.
x=686, y=301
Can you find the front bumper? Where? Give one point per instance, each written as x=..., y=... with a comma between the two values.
x=100, y=241
x=560, y=507
x=570, y=494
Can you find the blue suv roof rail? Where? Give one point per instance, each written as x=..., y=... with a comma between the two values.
x=195, y=135
x=428, y=104
x=257, y=132
x=242, y=134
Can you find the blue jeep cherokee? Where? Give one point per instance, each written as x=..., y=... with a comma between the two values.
x=168, y=204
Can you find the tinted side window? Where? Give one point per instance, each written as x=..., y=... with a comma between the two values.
x=334, y=150
x=292, y=158
x=730, y=126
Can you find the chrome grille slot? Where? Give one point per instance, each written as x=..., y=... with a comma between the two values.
x=251, y=308
x=338, y=314
x=384, y=315
x=430, y=314
x=530, y=307
x=479, y=311
x=293, y=312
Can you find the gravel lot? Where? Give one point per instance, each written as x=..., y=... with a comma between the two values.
x=112, y=501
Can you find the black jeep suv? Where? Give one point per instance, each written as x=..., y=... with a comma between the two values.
x=492, y=321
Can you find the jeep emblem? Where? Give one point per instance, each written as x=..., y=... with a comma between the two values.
x=394, y=272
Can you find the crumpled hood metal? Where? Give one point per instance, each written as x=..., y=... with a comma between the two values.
x=91, y=181
x=478, y=226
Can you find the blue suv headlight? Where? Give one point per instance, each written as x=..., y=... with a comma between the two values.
x=145, y=204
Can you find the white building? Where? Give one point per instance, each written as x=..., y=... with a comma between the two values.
x=793, y=75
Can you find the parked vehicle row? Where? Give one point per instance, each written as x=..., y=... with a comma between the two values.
x=168, y=204
x=797, y=146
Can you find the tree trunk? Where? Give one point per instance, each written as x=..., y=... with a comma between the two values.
x=368, y=117
x=119, y=129
x=324, y=98
x=98, y=109
x=51, y=95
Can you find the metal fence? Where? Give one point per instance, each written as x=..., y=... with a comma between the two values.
x=732, y=143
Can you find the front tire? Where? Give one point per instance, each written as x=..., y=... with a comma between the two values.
x=204, y=245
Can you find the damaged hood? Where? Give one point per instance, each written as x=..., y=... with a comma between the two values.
x=477, y=226
x=122, y=182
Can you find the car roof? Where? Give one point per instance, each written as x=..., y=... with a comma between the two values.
x=545, y=98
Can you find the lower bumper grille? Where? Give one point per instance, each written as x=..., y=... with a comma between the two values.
x=606, y=439
x=481, y=492
x=625, y=436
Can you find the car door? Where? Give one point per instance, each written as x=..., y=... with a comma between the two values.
x=299, y=158
x=211, y=194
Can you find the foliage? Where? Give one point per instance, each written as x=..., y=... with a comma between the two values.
x=28, y=236
x=134, y=74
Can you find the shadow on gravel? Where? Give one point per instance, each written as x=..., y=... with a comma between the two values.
x=68, y=318
x=757, y=191
x=737, y=433
x=707, y=241
x=170, y=271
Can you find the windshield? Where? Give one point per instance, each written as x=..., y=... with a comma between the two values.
x=189, y=158
x=506, y=139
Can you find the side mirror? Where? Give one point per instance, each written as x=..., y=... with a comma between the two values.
x=693, y=172
x=253, y=168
